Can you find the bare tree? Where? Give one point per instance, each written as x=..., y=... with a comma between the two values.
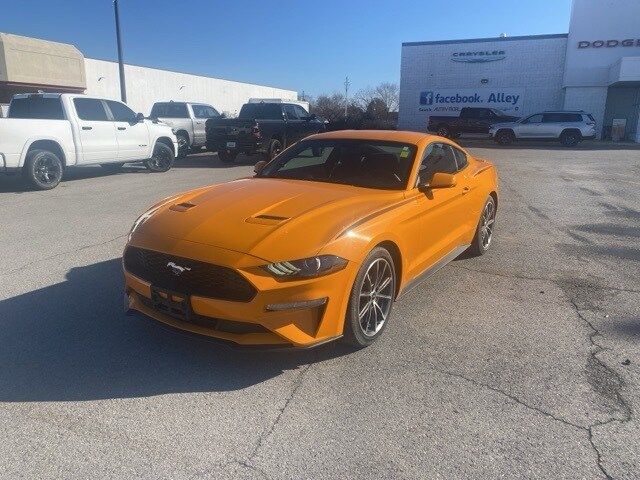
x=385, y=99
x=389, y=93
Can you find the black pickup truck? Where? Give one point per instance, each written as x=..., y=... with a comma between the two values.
x=265, y=128
x=471, y=120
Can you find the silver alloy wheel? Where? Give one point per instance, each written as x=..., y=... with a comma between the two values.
x=161, y=158
x=47, y=170
x=182, y=142
x=486, y=225
x=376, y=297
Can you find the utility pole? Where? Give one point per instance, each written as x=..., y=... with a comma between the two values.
x=347, y=84
x=123, y=88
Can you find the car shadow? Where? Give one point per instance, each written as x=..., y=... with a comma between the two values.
x=587, y=145
x=211, y=160
x=72, y=341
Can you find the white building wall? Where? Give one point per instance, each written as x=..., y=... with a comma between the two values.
x=145, y=86
x=534, y=65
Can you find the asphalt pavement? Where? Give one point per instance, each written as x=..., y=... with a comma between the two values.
x=523, y=363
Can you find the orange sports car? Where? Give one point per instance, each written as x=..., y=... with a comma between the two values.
x=317, y=245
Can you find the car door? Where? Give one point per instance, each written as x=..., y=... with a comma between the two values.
x=309, y=126
x=294, y=124
x=132, y=135
x=530, y=127
x=443, y=217
x=201, y=113
x=98, y=141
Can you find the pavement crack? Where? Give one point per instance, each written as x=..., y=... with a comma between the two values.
x=616, y=380
x=511, y=397
x=67, y=252
x=267, y=433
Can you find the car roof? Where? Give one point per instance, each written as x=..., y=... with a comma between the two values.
x=383, y=135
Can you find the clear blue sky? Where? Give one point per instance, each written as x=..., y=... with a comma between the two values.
x=298, y=44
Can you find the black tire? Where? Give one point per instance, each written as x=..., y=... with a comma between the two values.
x=570, y=138
x=505, y=137
x=162, y=159
x=183, y=145
x=112, y=167
x=443, y=131
x=43, y=169
x=480, y=243
x=355, y=322
x=275, y=147
x=227, y=157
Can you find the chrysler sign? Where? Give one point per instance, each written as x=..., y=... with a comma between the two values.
x=628, y=42
x=481, y=56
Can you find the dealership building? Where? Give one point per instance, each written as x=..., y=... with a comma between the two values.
x=595, y=67
x=30, y=65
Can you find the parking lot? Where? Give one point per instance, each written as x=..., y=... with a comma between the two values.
x=522, y=363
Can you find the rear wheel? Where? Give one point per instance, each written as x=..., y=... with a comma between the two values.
x=227, y=157
x=505, y=137
x=371, y=299
x=162, y=159
x=275, y=147
x=570, y=138
x=484, y=231
x=43, y=169
x=183, y=145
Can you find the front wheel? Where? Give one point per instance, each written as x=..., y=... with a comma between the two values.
x=371, y=299
x=504, y=137
x=183, y=145
x=43, y=169
x=275, y=147
x=570, y=138
x=484, y=231
x=162, y=159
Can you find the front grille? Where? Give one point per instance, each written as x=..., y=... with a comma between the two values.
x=197, y=278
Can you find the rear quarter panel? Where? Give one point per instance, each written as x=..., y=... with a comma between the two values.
x=17, y=135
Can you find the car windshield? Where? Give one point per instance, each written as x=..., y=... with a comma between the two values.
x=361, y=163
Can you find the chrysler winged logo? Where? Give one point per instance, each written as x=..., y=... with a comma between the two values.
x=176, y=269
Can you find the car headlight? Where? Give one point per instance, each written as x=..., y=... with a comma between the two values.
x=306, y=267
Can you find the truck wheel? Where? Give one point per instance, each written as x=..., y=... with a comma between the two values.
x=275, y=147
x=43, y=169
x=570, y=138
x=183, y=145
x=443, y=131
x=112, y=167
x=227, y=157
x=162, y=159
x=504, y=137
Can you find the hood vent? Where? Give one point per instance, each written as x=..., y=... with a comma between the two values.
x=181, y=207
x=272, y=217
x=264, y=219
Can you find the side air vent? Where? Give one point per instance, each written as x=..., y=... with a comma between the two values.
x=272, y=217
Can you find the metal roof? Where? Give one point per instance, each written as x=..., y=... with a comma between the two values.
x=487, y=39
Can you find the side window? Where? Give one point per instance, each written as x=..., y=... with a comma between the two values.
x=120, y=112
x=302, y=113
x=290, y=112
x=461, y=158
x=438, y=158
x=204, y=111
x=534, y=119
x=90, y=109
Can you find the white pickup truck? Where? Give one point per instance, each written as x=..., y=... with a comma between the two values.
x=46, y=132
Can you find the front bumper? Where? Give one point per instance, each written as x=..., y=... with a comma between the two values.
x=298, y=313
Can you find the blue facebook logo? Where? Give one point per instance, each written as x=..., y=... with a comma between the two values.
x=426, y=98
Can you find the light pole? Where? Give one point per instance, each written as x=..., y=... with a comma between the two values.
x=347, y=84
x=123, y=88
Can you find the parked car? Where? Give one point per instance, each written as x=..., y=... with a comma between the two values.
x=265, y=128
x=470, y=120
x=45, y=133
x=568, y=127
x=275, y=261
x=188, y=121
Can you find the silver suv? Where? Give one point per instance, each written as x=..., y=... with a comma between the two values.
x=568, y=127
x=188, y=121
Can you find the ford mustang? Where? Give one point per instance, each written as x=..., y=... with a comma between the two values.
x=317, y=245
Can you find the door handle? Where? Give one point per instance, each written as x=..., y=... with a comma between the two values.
x=465, y=190
x=87, y=128
x=122, y=128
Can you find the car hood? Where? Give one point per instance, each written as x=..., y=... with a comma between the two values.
x=273, y=219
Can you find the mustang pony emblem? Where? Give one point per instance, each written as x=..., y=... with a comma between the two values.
x=176, y=269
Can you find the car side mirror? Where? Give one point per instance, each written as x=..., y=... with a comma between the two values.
x=139, y=117
x=439, y=180
x=259, y=166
